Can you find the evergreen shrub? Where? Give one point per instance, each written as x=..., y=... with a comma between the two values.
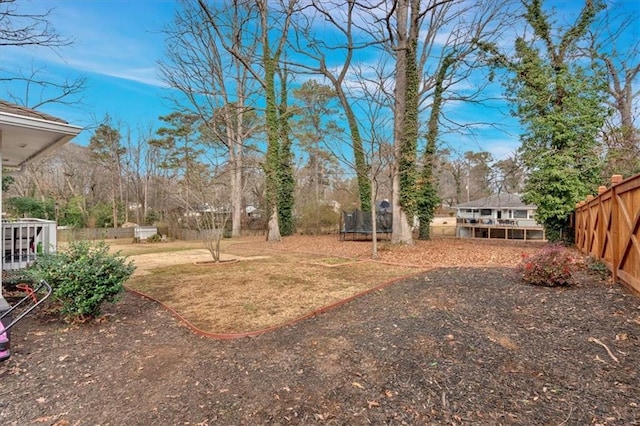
x=83, y=277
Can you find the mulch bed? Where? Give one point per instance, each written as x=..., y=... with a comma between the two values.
x=450, y=346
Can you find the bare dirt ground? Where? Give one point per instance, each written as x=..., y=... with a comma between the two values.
x=463, y=344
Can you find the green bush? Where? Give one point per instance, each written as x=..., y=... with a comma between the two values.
x=315, y=219
x=597, y=268
x=552, y=267
x=155, y=238
x=83, y=277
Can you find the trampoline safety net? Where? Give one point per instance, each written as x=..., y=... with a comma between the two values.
x=358, y=223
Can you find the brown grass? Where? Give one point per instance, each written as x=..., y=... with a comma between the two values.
x=277, y=282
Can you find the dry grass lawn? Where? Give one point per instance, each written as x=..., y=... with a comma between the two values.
x=273, y=283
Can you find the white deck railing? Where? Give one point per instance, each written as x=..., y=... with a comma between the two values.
x=24, y=239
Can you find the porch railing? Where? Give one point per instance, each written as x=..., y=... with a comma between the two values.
x=24, y=239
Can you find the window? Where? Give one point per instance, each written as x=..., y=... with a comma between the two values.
x=520, y=214
x=485, y=212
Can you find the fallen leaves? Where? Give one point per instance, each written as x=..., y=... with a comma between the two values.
x=437, y=252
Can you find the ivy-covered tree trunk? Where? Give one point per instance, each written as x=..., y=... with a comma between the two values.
x=273, y=120
x=359, y=154
x=560, y=103
x=427, y=192
x=409, y=143
x=362, y=166
x=406, y=122
x=346, y=40
x=286, y=190
x=272, y=161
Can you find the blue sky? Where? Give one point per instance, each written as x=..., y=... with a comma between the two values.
x=117, y=46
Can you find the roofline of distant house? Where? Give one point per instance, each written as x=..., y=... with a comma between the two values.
x=482, y=204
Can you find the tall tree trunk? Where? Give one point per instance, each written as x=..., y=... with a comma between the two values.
x=286, y=198
x=401, y=232
x=428, y=196
x=272, y=160
x=114, y=207
x=236, y=193
x=145, y=199
x=234, y=135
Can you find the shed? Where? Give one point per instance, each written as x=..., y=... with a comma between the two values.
x=141, y=233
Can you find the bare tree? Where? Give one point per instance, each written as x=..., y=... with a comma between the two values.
x=140, y=166
x=202, y=63
x=272, y=32
x=622, y=65
x=36, y=86
x=509, y=175
x=453, y=31
x=69, y=176
x=334, y=61
x=378, y=134
x=255, y=39
x=212, y=227
x=464, y=176
x=27, y=29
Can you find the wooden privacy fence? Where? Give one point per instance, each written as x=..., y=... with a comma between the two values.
x=608, y=227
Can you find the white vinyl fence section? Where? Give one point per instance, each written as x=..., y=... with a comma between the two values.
x=141, y=233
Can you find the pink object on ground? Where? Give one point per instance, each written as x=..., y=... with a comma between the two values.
x=4, y=343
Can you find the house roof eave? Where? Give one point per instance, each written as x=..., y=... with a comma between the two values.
x=24, y=138
x=511, y=201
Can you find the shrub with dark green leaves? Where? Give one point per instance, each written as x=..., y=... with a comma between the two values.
x=554, y=266
x=83, y=277
x=155, y=238
x=597, y=268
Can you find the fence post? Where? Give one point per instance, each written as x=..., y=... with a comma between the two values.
x=583, y=223
x=592, y=232
x=615, y=232
x=577, y=223
x=602, y=224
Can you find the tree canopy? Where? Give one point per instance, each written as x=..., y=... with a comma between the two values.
x=560, y=103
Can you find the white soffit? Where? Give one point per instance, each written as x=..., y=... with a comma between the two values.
x=24, y=138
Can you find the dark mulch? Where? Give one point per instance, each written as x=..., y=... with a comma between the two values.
x=452, y=346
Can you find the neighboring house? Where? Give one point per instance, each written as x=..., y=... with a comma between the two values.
x=498, y=216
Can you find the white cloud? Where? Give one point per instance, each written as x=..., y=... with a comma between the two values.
x=110, y=38
x=501, y=149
